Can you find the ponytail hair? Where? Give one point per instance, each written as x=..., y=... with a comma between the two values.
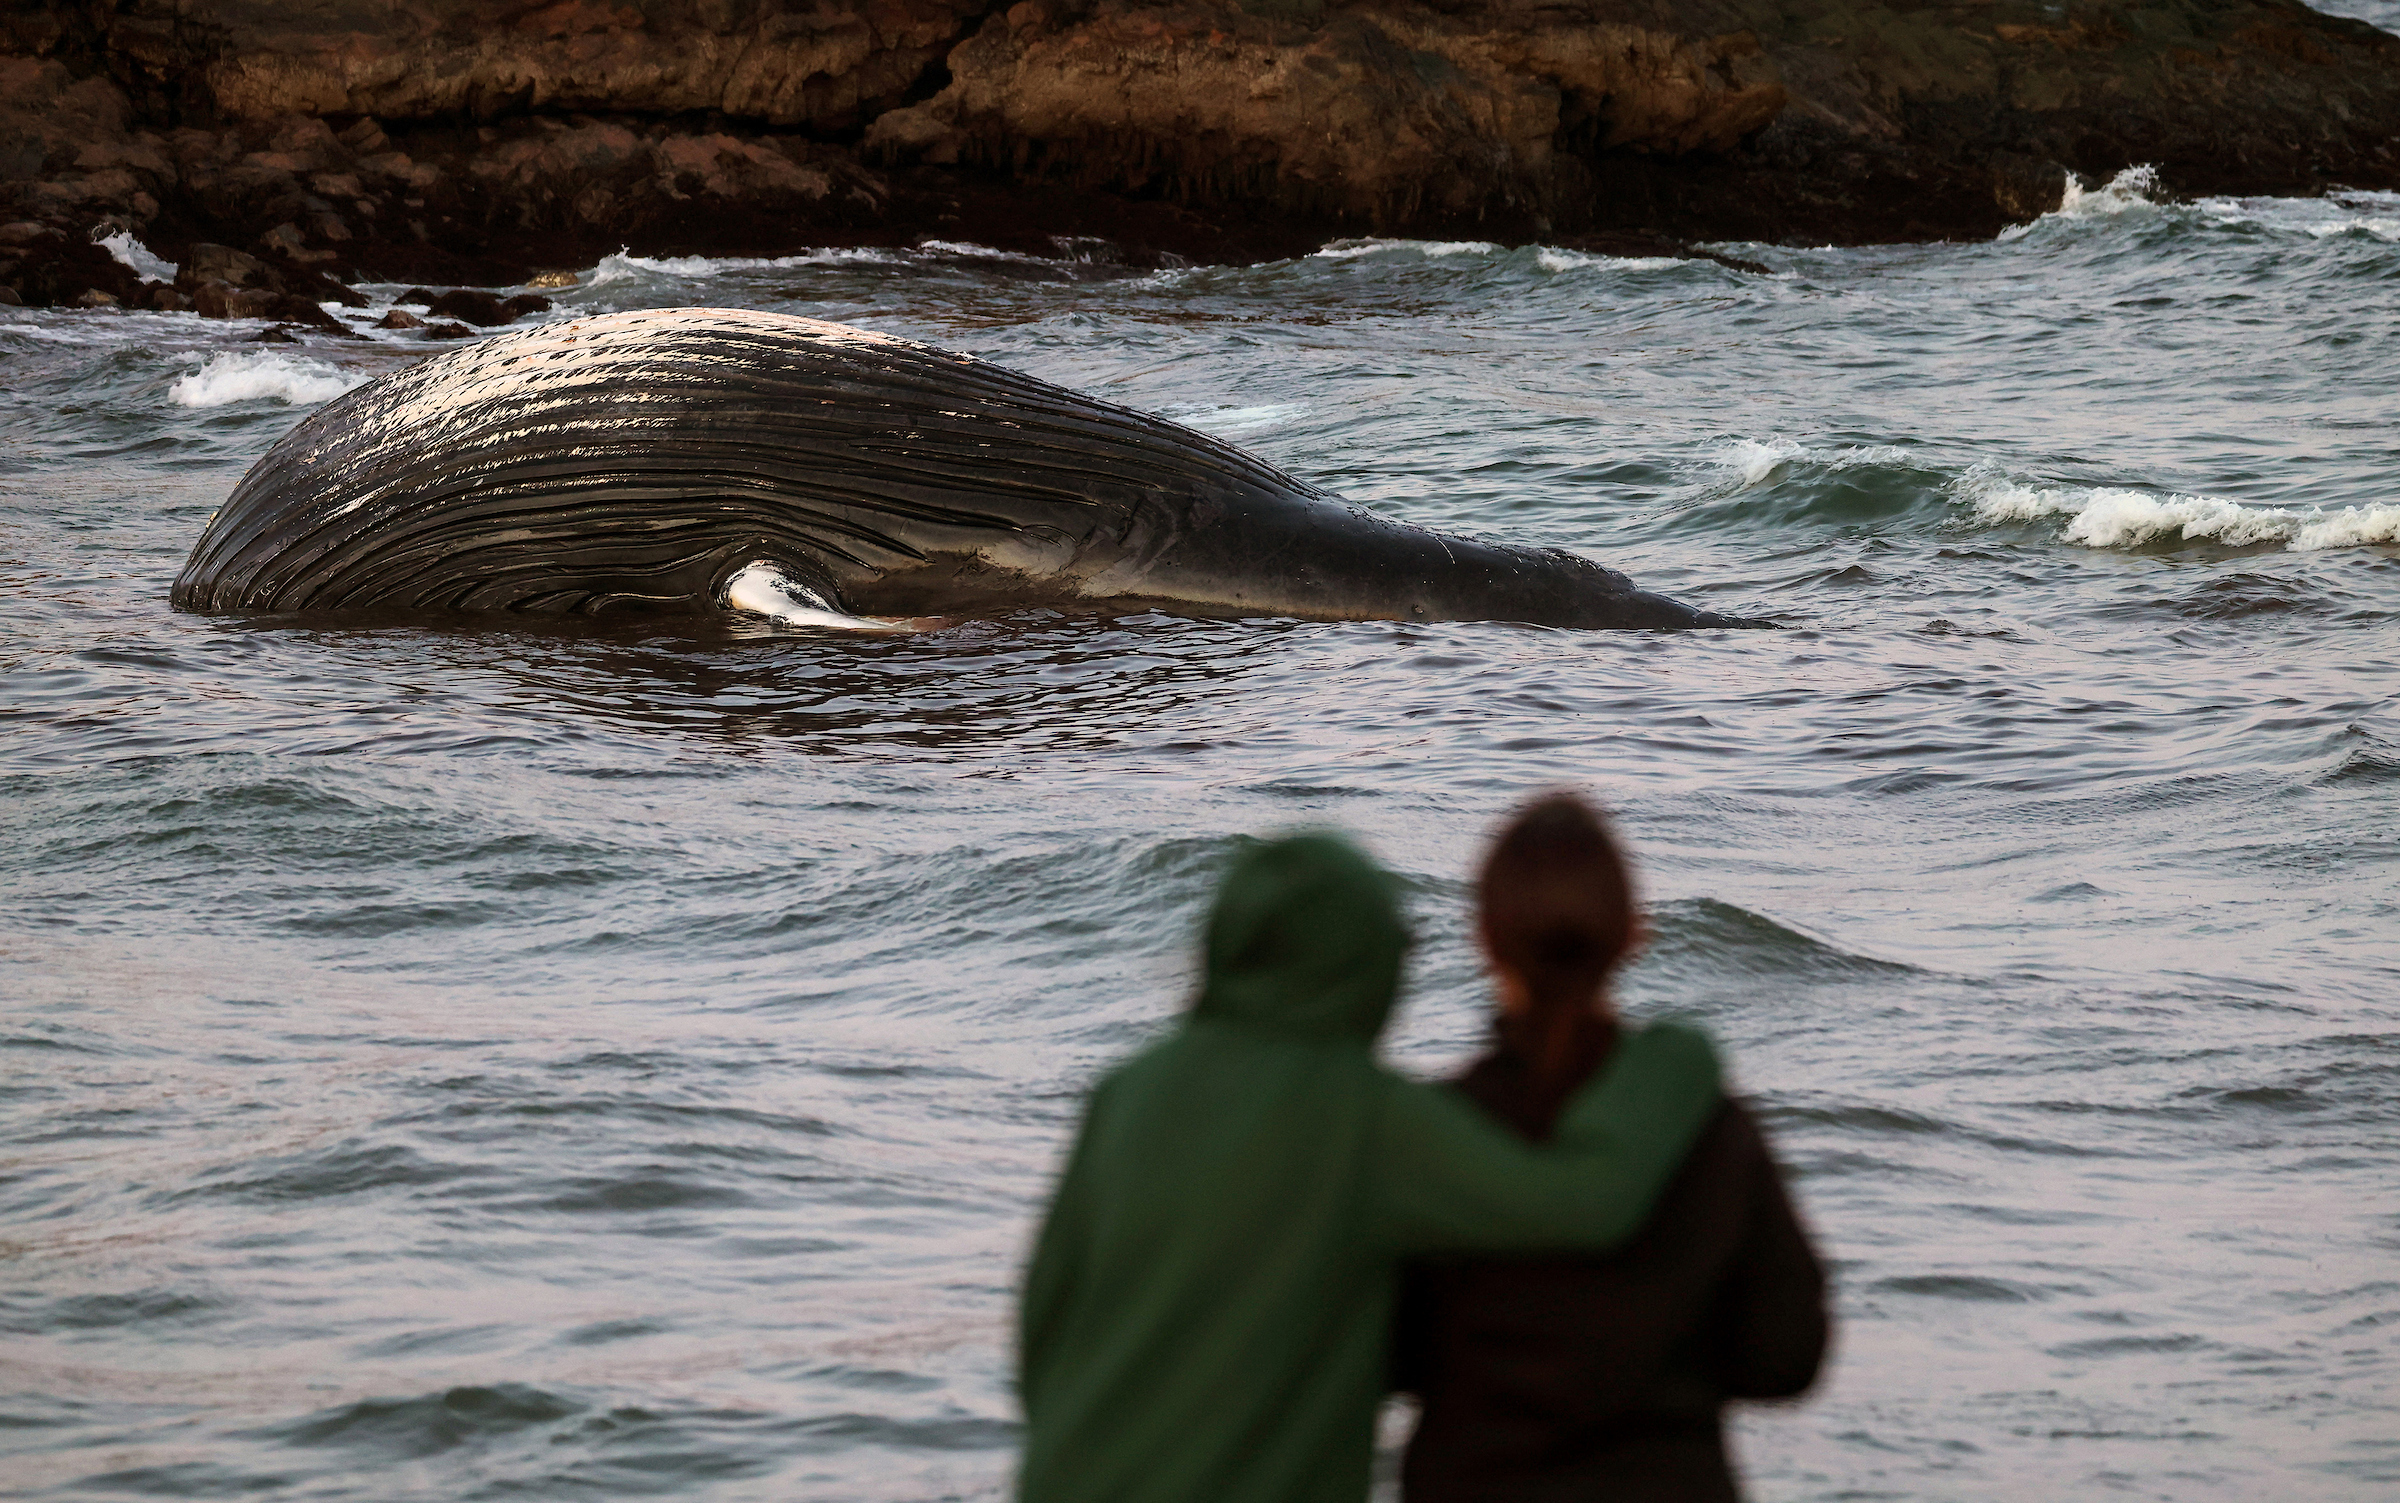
x=1556, y=908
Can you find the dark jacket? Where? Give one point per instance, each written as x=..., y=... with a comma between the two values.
x=1208, y=1314
x=1605, y=1378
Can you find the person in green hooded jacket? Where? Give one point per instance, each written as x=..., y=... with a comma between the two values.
x=1207, y=1314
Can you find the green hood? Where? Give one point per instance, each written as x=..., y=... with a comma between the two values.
x=1306, y=941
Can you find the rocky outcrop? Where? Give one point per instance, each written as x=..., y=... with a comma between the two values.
x=433, y=140
x=823, y=65
x=1382, y=116
x=1957, y=117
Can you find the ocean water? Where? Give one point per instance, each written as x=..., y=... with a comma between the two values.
x=2383, y=13
x=539, y=1060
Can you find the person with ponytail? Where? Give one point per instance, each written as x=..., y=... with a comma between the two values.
x=1598, y=1377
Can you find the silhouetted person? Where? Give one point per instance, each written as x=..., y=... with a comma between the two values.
x=1598, y=1378
x=1207, y=1318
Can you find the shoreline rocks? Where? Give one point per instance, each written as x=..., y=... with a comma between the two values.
x=425, y=140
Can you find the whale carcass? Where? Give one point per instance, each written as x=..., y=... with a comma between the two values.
x=691, y=459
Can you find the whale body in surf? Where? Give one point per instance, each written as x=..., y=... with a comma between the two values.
x=687, y=460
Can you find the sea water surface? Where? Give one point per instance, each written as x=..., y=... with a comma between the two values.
x=545, y=1060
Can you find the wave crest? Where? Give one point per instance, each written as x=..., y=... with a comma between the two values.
x=2132, y=189
x=1351, y=250
x=260, y=376
x=1758, y=461
x=2102, y=516
x=623, y=266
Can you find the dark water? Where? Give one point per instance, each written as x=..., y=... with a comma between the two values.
x=448, y=1063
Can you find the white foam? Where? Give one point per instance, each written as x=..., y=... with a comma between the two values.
x=983, y=252
x=1549, y=259
x=60, y=334
x=2131, y=188
x=260, y=376
x=133, y=253
x=1225, y=420
x=764, y=590
x=2128, y=191
x=2103, y=516
x=1756, y=461
x=624, y=266
x=2373, y=214
x=1351, y=250
x=2381, y=229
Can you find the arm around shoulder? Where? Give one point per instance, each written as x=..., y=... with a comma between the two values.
x=1446, y=1178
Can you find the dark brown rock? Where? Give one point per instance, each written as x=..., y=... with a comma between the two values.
x=54, y=269
x=1381, y=114
x=448, y=331
x=399, y=319
x=827, y=67
x=298, y=308
x=225, y=266
x=471, y=304
x=215, y=299
x=2026, y=188
x=315, y=285
x=212, y=299
x=286, y=242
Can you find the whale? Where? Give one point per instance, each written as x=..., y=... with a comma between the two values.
x=699, y=460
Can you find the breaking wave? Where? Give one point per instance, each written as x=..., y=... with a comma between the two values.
x=1549, y=259
x=1351, y=250
x=2131, y=190
x=2103, y=516
x=1759, y=461
x=260, y=376
x=624, y=266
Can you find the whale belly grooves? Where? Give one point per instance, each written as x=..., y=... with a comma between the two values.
x=677, y=460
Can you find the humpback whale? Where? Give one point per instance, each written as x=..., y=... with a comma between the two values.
x=700, y=459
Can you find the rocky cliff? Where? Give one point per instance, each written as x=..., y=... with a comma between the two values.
x=437, y=139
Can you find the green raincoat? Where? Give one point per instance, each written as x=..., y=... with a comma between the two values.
x=1207, y=1315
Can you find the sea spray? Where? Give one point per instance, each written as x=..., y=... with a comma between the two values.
x=132, y=253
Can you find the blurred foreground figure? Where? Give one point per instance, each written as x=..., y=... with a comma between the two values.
x=1208, y=1314
x=1599, y=1378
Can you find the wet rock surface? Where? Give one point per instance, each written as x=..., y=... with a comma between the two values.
x=432, y=141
